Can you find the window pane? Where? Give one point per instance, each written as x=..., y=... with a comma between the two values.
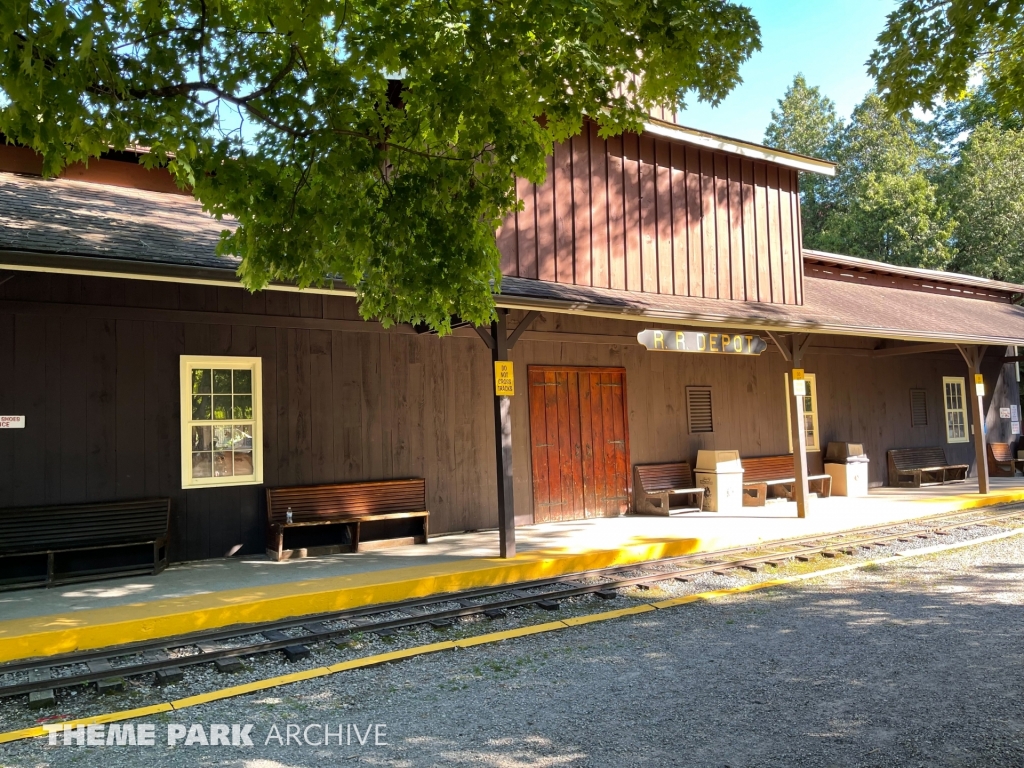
x=242, y=438
x=201, y=439
x=243, y=382
x=243, y=463
x=202, y=465
x=223, y=464
x=243, y=407
x=221, y=407
x=201, y=381
x=222, y=382
x=200, y=407
x=222, y=438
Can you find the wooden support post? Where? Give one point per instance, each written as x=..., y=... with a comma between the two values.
x=503, y=444
x=973, y=356
x=793, y=348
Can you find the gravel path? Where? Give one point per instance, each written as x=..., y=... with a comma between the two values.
x=913, y=664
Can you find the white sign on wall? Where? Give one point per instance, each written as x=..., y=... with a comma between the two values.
x=1014, y=427
x=1004, y=413
x=1013, y=413
x=12, y=422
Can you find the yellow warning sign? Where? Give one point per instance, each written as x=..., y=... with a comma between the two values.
x=799, y=383
x=504, y=380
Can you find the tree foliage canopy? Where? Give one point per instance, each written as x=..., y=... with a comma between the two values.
x=806, y=122
x=930, y=49
x=986, y=191
x=945, y=193
x=884, y=202
x=375, y=140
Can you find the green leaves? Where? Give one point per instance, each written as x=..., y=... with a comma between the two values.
x=929, y=51
x=986, y=192
x=281, y=113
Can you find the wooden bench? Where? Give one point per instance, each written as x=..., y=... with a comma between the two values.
x=763, y=471
x=350, y=517
x=1001, y=462
x=914, y=467
x=45, y=546
x=664, y=489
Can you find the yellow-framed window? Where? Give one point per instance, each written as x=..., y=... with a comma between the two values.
x=955, y=405
x=810, y=413
x=221, y=421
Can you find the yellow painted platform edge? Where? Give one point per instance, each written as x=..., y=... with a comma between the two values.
x=39, y=637
x=493, y=637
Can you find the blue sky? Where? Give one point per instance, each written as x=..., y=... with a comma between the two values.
x=827, y=40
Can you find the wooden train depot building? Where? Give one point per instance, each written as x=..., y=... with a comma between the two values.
x=656, y=303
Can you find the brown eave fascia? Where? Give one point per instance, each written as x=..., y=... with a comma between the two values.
x=93, y=266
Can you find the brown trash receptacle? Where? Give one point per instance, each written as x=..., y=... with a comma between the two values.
x=847, y=465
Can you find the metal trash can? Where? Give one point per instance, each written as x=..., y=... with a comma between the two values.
x=721, y=474
x=847, y=465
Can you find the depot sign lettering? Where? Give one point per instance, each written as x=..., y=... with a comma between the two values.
x=12, y=422
x=692, y=341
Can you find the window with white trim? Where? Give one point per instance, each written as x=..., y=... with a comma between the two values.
x=956, y=409
x=221, y=421
x=810, y=413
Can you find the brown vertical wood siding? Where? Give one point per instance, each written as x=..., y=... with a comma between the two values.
x=642, y=213
x=93, y=365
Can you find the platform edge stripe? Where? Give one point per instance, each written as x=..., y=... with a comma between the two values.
x=253, y=687
x=578, y=621
x=509, y=634
x=109, y=717
x=384, y=658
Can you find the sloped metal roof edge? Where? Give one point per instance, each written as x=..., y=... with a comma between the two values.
x=739, y=147
x=672, y=317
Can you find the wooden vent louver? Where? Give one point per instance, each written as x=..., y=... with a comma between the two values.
x=918, y=408
x=698, y=410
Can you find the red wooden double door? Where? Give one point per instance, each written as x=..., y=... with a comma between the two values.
x=580, y=442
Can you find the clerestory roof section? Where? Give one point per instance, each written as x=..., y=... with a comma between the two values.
x=71, y=226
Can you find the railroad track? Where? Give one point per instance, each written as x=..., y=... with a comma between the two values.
x=168, y=657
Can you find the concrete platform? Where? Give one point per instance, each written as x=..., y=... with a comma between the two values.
x=218, y=593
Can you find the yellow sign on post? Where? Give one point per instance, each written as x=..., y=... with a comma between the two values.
x=979, y=385
x=799, y=385
x=504, y=380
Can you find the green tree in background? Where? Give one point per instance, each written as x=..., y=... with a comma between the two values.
x=806, y=123
x=930, y=49
x=375, y=140
x=886, y=201
x=986, y=192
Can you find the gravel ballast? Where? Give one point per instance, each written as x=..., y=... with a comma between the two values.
x=916, y=663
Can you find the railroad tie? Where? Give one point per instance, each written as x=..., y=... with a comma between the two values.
x=610, y=594
x=293, y=652
x=226, y=664
x=44, y=698
x=108, y=684
x=168, y=675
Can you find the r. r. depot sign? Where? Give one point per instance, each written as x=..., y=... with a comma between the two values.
x=669, y=340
